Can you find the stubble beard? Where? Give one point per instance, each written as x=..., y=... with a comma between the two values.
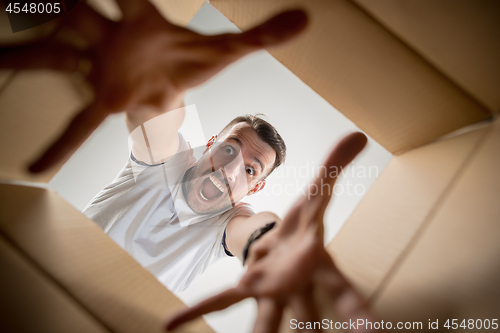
x=190, y=189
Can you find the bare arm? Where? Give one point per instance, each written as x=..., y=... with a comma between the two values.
x=153, y=133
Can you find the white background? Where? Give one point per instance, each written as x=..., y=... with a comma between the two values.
x=257, y=84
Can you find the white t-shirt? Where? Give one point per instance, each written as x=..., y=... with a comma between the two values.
x=137, y=211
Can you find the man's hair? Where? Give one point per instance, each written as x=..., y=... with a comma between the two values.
x=265, y=131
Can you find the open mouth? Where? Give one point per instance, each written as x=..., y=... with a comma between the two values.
x=211, y=188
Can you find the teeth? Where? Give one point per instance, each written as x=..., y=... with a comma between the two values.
x=216, y=183
x=203, y=195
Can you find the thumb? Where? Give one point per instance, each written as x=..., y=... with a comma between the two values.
x=343, y=153
x=274, y=31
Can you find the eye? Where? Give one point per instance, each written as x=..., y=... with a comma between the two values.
x=250, y=170
x=229, y=150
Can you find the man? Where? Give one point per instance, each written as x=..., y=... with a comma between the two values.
x=143, y=65
x=176, y=215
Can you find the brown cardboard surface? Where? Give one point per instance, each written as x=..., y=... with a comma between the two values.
x=85, y=262
x=460, y=38
x=34, y=107
x=366, y=72
x=178, y=12
x=386, y=220
x=453, y=269
x=5, y=77
x=31, y=302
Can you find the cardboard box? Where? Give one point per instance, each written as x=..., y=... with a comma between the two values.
x=80, y=268
x=422, y=244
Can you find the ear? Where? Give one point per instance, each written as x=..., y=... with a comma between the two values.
x=259, y=186
x=210, y=143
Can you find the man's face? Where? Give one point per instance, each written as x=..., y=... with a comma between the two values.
x=228, y=171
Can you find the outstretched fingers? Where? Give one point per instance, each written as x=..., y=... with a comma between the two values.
x=304, y=307
x=309, y=210
x=49, y=55
x=81, y=126
x=133, y=9
x=214, y=303
x=90, y=26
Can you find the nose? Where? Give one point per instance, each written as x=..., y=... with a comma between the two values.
x=231, y=173
x=233, y=170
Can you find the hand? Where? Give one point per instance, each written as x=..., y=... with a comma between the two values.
x=140, y=63
x=289, y=265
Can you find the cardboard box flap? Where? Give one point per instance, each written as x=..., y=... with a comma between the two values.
x=385, y=222
x=31, y=302
x=453, y=269
x=85, y=262
x=366, y=72
x=460, y=38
